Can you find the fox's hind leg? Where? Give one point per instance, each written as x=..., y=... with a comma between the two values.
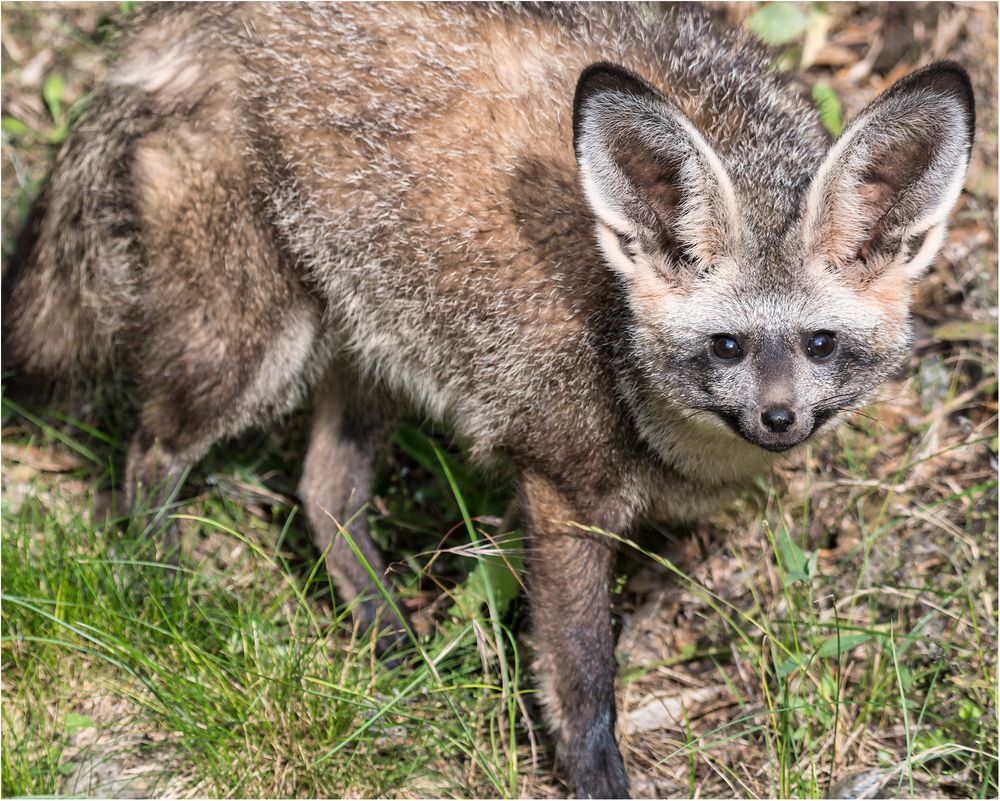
x=152, y=477
x=227, y=333
x=222, y=329
x=349, y=428
x=190, y=397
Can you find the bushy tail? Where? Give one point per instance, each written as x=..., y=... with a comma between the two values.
x=69, y=288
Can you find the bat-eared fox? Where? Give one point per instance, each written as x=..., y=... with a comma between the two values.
x=609, y=248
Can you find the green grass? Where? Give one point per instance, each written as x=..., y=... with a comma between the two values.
x=243, y=667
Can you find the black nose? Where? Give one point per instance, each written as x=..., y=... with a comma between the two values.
x=777, y=420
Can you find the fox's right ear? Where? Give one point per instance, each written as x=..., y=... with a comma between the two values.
x=665, y=206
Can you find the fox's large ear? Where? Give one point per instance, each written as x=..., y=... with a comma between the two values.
x=662, y=198
x=881, y=200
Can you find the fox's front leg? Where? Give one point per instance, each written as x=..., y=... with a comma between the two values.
x=569, y=577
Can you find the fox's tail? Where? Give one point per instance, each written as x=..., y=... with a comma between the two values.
x=69, y=289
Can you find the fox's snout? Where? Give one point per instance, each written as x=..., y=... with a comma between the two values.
x=777, y=419
x=777, y=426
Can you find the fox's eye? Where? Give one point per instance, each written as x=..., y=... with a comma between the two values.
x=821, y=345
x=726, y=347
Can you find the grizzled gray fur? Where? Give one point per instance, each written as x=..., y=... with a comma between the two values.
x=614, y=251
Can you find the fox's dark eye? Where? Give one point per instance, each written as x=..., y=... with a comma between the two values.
x=821, y=345
x=726, y=347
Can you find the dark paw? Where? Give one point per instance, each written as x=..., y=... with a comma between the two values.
x=597, y=771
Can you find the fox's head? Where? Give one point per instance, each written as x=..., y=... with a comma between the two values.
x=770, y=311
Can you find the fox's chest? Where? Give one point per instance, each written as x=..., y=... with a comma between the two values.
x=701, y=471
x=675, y=499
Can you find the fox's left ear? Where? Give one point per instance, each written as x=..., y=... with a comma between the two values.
x=881, y=199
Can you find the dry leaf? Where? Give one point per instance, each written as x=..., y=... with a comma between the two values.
x=665, y=713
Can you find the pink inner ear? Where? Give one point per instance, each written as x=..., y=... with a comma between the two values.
x=875, y=197
x=664, y=197
x=659, y=185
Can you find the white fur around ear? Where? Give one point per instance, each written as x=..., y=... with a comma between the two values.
x=659, y=191
x=882, y=197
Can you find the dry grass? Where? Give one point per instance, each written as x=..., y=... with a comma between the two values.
x=837, y=626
